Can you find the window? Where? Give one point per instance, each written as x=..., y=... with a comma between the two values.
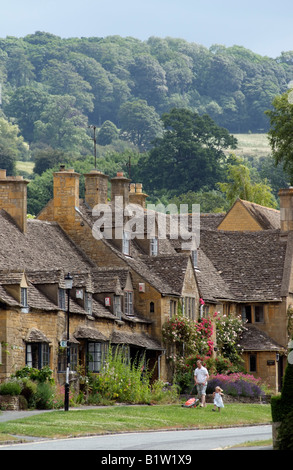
x=37, y=355
x=154, y=246
x=128, y=303
x=23, y=291
x=62, y=358
x=252, y=363
x=194, y=258
x=117, y=305
x=96, y=356
x=258, y=314
x=172, y=307
x=126, y=243
x=246, y=313
x=88, y=303
x=152, y=307
x=61, y=299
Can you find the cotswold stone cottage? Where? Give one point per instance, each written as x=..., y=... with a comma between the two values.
x=115, y=299
x=125, y=289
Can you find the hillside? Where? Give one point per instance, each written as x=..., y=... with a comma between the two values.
x=51, y=86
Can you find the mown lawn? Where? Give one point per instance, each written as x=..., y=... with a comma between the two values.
x=57, y=424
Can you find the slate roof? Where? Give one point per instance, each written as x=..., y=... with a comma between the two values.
x=170, y=269
x=137, y=262
x=250, y=264
x=45, y=246
x=253, y=339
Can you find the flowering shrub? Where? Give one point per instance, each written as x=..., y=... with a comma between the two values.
x=237, y=384
x=229, y=330
x=188, y=336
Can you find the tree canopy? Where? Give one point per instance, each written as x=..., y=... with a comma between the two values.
x=188, y=156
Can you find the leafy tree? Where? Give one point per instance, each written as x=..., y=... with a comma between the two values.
x=48, y=158
x=188, y=156
x=62, y=126
x=240, y=185
x=281, y=132
x=62, y=79
x=12, y=145
x=26, y=105
x=209, y=200
x=107, y=133
x=139, y=123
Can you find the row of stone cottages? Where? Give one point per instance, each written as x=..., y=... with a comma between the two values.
x=124, y=290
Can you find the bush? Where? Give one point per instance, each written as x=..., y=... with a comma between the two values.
x=29, y=390
x=121, y=380
x=10, y=388
x=236, y=385
x=44, y=396
x=285, y=433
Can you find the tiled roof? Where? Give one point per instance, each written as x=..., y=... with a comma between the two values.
x=170, y=269
x=253, y=339
x=250, y=264
x=45, y=246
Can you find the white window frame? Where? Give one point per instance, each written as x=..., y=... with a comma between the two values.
x=128, y=303
x=154, y=246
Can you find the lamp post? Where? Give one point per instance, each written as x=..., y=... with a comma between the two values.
x=68, y=286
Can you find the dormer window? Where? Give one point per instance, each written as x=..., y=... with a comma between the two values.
x=23, y=293
x=61, y=299
x=154, y=246
x=88, y=303
x=117, y=306
x=128, y=303
x=194, y=258
x=126, y=243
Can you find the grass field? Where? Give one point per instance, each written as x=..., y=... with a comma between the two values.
x=252, y=145
x=115, y=419
x=25, y=166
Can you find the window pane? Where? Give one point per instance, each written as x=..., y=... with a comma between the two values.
x=24, y=296
x=258, y=314
x=61, y=298
x=252, y=363
x=94, y=357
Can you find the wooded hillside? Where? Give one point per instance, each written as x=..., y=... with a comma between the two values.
x=92, y=78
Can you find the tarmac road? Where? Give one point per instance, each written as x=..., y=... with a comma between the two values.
x=171, y=441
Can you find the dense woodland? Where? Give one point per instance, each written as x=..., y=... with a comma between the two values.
x=57, y=95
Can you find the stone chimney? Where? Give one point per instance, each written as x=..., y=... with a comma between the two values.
x=96, y=188
x=286, y=209
x=13, y=198
x=136, y=196
x=120, y=187
x=66, y=197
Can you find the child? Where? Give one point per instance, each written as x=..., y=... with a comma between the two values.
x=218, y=401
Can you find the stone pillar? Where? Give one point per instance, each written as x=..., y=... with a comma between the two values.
x=286, y=209
x=66, y=197
x=96, y=188
x=136, y=196
x=13, y=198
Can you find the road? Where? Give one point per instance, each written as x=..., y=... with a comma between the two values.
x=206, y=439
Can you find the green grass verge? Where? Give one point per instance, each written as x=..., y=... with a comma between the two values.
x=57, y=424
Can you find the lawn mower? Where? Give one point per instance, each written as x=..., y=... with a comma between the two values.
x=191, y=402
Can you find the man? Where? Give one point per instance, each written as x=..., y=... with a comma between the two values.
x=201, y=377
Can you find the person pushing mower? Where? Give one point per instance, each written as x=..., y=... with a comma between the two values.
x=201, y=377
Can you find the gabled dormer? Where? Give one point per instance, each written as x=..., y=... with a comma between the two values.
x=248, y=216
x=16, y=284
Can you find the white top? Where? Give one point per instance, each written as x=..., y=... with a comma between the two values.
x=218, y=401
x=201, y=375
